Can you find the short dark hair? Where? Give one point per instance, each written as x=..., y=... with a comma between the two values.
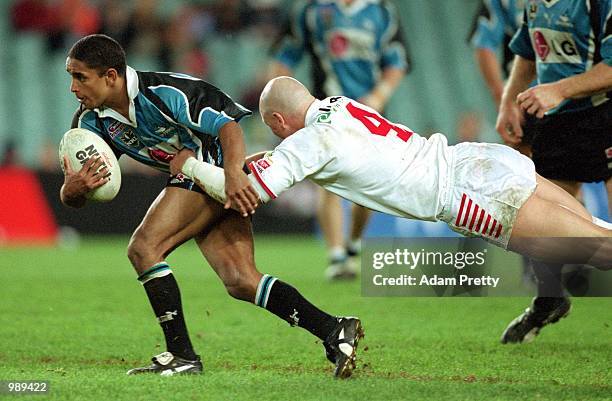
x=99, y=52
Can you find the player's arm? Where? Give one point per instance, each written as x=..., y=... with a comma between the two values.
x=384, y=89
x=541, y=98
x=289, y=47
x=486, y=38
x=491, y=72
x=255, y=156
x=238, y=188
x=395, y=61
x=510, y=117
x=212, y=179
x=78, y=183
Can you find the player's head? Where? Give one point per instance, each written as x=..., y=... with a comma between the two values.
x=96, y=63
x=283, y=104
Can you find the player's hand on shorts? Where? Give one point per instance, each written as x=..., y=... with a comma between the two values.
x=177, y=162
x=241, y=195
x=509, y=121
x=539, y=99
x=88, y=178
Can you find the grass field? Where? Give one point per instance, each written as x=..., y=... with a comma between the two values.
x=79, y=319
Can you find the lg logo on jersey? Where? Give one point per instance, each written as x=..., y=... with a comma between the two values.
x=555, y=47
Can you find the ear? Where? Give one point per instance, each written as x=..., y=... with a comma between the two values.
x=111, y=76
x=278, y=117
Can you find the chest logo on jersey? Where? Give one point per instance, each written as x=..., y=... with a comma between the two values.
x=555, y=47
x=338, y=44
x=126, y=134
x=165, y=132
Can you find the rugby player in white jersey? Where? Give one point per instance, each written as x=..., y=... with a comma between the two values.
x=483, y=190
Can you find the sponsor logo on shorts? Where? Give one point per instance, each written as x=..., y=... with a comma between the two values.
x=476, y=220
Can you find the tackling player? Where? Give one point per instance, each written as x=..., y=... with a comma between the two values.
x=482, y=190
x=149, y=117
x=356, y=49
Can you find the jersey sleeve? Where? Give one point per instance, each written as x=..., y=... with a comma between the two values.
x=198, y=105
x=521, y=42
x=295, y=159
x=394, y=48
x=488, y=29
x=290, y=47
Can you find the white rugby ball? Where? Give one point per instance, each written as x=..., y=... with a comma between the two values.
x=79, y=145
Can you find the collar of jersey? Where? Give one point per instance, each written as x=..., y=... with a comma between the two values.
x=131, y=79
x=312, y=111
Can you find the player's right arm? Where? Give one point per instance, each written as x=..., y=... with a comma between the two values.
x=289, y=48
x=486, y=39
x=78, y=183
x=510, y=116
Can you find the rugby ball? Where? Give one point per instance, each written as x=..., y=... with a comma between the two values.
x=78, y=145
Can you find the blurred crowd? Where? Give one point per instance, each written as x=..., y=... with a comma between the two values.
x=174, y=35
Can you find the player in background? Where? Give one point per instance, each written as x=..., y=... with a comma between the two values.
x=149, y=117
x=482, y=190
x=356, y=49
x=567, y=46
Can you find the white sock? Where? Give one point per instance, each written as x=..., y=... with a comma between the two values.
x=337, y=253
x=354, y=245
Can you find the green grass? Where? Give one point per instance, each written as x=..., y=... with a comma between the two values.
x=79, y=319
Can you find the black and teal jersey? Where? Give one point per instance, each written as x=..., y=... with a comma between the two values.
x=566, y=38
x=494, y=26
x=349, y=44
x=168, y=112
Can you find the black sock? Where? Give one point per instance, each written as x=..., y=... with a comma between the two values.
x=287, y=303
x=165, y=297
x=548, y=278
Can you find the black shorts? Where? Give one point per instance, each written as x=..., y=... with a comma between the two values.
x=574, y=146
x=528, y=129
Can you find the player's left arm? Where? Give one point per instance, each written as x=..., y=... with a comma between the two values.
x=542, y=98
x=204, y=108
x=395, y=61
x=238, y=188
x=269, y=178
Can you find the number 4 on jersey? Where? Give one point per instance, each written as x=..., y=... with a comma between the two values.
x=370, y=120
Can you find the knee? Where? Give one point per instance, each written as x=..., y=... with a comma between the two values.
x=142, y=253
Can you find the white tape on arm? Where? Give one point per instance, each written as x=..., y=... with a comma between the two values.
x=212, y=179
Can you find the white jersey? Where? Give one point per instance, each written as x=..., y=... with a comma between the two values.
x=349, y=149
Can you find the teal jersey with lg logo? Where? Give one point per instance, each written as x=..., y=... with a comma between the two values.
x=566, y=38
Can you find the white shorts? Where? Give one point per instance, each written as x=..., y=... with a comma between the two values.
x=488, y=185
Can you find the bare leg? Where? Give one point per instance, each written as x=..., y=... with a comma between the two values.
x=552, y=227
x=360, y=217
x=329, y=214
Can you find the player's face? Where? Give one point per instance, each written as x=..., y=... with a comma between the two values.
x=88, y=86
